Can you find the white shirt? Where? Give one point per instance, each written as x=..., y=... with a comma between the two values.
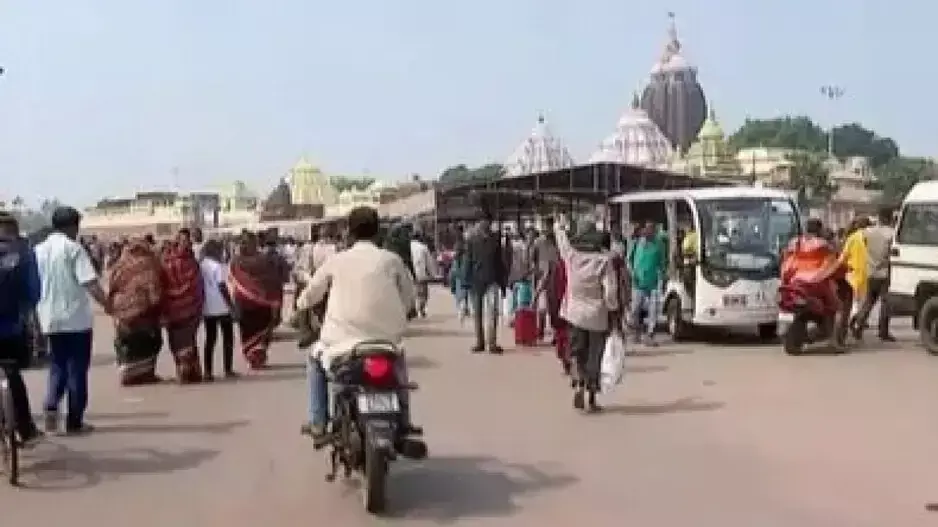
x=424, y=265
x=214, y=274
x=370, y=291
x=321, y=252
x=64, y=271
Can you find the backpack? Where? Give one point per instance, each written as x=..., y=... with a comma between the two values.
x=13, y=258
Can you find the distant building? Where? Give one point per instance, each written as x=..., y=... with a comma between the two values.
x=163, y=213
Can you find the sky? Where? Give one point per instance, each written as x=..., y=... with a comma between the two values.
x=108, y=97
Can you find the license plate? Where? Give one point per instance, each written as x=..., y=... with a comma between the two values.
x=378, y=403
x=734, y=301
x=784, y=316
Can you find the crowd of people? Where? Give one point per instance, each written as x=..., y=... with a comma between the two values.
x=149, y=291
x=580, y=281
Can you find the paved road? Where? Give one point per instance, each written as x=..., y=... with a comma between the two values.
x=721, y=435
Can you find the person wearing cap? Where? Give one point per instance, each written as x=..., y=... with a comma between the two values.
x=68, y=279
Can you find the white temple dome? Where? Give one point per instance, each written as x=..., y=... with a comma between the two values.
x=636, y=141
x=541, y=152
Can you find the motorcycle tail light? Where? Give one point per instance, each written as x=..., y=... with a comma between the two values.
x=378, y=369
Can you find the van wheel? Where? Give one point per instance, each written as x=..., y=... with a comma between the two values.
x=928, y=325
x=678, y=329
x=768, y=332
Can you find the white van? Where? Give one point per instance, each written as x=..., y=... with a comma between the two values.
x=913, y=275
x=733, y=279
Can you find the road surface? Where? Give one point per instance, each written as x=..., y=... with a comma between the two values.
x=718, y=434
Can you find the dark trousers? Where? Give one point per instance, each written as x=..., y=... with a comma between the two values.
x=14, y=352
x=875, y=292
x=485, y=305
x=70, y=360
x=586, y=349
x=212, y=325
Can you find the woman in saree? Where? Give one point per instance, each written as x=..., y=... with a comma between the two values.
x=254, y=282
x=182, y=308
x=135, y=291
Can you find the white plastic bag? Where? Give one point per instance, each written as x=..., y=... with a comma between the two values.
x=612, y=367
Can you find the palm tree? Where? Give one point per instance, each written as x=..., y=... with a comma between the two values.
x=810, y=177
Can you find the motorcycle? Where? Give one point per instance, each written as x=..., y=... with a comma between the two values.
x=808, y=312
x=367, y=429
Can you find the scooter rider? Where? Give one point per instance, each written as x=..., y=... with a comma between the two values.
x=370, y=292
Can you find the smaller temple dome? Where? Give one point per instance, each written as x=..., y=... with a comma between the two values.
x=540, y=152
x=711, y=129
x=279, y=197
x=636, y=141
x=309, y=186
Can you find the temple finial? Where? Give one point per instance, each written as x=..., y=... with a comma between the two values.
x=636, y=101
x=674, y=45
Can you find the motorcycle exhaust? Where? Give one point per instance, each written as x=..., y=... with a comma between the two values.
x=413, y=449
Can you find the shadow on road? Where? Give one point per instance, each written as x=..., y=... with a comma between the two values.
x=415, y=332
x=645, y=369
x=67, y=470
x=683, y=405
x=447, y=489
x=420, y=362
x=105, y=416
x=663, y=351
x=276, y=373
x=225, y=427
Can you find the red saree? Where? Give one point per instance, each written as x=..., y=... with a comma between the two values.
x=254, y=282
x=182, y=309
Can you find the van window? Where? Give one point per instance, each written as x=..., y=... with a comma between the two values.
x=919, y=225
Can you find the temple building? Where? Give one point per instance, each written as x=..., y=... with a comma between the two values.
x=637, y=140
x=540, y=152
x=673, y=98
x=711, y=156
x=309, y=186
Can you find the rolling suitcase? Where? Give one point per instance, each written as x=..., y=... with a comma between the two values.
x=525, y=327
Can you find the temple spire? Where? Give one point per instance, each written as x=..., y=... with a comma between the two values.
x=636, y=101
x=673, y=46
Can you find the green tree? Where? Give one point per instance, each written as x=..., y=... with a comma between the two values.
x=343, y=183
x=801, y=133
x=854, y=140
x=461, y=174
x=897, y=177
x=811, y=178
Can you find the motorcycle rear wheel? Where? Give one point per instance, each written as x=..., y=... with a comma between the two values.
x=795, y=336
x=374, y=489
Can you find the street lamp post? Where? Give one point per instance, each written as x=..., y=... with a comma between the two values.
x=833, y=93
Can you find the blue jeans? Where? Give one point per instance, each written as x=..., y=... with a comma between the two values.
x=648, y=301
x=318, y=392
x=70, y=359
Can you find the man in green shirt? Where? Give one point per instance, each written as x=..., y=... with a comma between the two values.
x=648, y=265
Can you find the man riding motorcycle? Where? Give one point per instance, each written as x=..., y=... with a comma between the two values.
x=812, y=258
x=370, y=291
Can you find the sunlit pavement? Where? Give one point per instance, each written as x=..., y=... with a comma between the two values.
x=722, y=435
